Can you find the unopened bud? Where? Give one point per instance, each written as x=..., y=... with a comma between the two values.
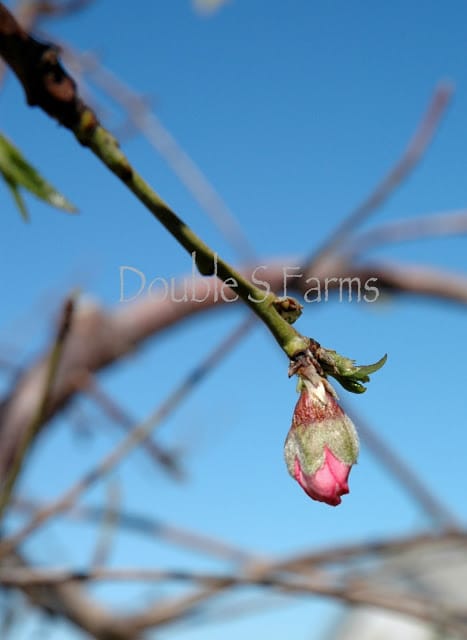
x=322, y=444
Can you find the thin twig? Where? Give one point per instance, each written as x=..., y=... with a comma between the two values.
x=451, y=223
x=151, y=527
x=108, y=527
x=41, y=411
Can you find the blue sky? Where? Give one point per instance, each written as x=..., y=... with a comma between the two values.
x=294, y=111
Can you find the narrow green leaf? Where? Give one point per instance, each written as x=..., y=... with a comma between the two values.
x=345, y=371
x=352, y=385
x=362, y=372
x=17, y=198
x=19, y=173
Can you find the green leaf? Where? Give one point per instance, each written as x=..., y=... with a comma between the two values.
x=17, y=198
x=351, y=384
x=363, y=372
x=17, y=173
x=345, y=371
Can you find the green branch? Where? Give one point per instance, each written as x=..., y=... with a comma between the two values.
x=266, y=306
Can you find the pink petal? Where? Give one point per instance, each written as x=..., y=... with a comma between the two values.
x=328, y=483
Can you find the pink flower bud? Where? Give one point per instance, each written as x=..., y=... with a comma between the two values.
x=322, y=444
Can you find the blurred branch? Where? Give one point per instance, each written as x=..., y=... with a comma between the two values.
x=71, y=602
x=151, y=527
x=381, y=548
x=451, y=223
x=440, y=515
x=107, y=526
x=119, y=415
x=296, y=563
x=255, y=569
x=133, y=439
x=58, y=9
x=427, y=282
x=275, y=574
x=399, y=172
x=423, y=608
x=366, y=593
x=29, y=433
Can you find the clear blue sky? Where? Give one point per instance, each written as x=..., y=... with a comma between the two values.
x=293, y=110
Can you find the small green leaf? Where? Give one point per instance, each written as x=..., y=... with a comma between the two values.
x=363, y=372
x=17, y=173
x=345, y=371
x=350, y=384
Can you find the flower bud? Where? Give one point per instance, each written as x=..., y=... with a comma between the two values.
x=322, y=444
